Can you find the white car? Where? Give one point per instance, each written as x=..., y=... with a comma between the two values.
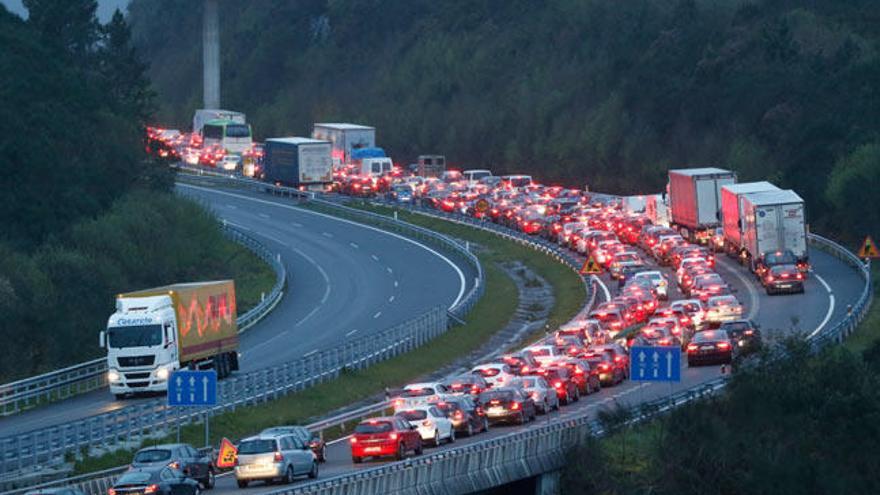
x=694, y=308
x=230, y=163
x=416, y=394
x=495, y=374
x=569, y=229
x=429, y=420
x=544, y=354
x=723, y=308
x=541, y=392
x=658, y=281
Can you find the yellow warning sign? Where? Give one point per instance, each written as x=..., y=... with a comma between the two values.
x=869, y=249
x=228, y=452
x=590, y=266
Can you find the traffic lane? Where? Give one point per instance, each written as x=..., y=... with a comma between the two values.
x=837, y=279
x=626, y=394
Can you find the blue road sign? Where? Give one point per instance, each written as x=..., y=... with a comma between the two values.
x=655, y=364
x=192, y=388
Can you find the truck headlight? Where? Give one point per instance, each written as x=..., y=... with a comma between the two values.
x=113, y=376
x=162, y=373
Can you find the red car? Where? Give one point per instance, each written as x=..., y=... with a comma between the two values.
x=380, y=437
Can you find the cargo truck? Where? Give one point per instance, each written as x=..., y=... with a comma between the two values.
x=695, y=202
x=431, y=165
x=157, y=331
x=655, y=208
x=298, y=162
x=344, y=138
x=731, y=213
x=774, y=223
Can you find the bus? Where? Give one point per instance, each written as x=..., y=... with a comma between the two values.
x=234, y=137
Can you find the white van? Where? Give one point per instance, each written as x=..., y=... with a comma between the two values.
x=474, y=175
x=376, y=167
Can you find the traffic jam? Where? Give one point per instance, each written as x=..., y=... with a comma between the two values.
x=664, y=292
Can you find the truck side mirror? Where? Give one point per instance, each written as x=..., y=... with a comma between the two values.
x=169, y=335
x=102, y=339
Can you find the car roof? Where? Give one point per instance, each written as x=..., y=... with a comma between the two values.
x=422, y=385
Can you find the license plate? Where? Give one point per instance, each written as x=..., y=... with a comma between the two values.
x=784, y=286
x=496, y=410
x=372, y=449
x=707, y=347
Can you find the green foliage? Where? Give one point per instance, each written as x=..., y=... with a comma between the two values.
x=577, y=91
x=802, y=424
x=852, y=189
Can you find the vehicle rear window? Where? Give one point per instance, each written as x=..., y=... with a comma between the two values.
x=418, y=392
x=152, y=455
x=708, y=336
x=373, y=427
x=539, y=352
x=413, y=415
x=133, y=478
x=490, y=396
x=489, y=371
x=256, y=447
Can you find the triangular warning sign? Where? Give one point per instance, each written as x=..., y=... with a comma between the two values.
x=228, y=453
x=590, y=266
x=869, y=249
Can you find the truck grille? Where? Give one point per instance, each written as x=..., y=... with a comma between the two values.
x=137, y=376
x=125, y=362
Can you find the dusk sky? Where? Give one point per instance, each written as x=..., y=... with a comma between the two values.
x=105, y=7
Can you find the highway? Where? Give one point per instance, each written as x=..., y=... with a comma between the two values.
x=831, y=286
x=345, y=281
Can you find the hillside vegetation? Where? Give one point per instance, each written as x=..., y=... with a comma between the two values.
x=609, y=94
x=83, y=216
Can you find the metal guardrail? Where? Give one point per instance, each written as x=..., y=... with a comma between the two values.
x=91, y=375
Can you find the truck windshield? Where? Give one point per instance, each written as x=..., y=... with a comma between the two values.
x=238, y=131
x=135, y=336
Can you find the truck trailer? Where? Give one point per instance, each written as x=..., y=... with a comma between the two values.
x=157, y=331
x=344, y=138
x=298, y=162
x=774, y=222
x=731, y=213
x=695, y=201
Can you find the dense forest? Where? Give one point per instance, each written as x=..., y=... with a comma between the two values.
x=84, y=215
x=609, y=94
x=798, y=425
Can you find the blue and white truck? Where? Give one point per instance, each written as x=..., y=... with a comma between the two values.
x=298, y=162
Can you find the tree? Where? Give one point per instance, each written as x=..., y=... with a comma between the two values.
x=852, y=190
x=70, y=25
x=123, y=70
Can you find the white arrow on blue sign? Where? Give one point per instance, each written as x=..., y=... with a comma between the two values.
x=192, y=388
x=655, y=364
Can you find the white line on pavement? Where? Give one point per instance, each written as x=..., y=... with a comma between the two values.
x=378, y=314
x=391, y=299
x=310, y=353
x=263, y=215
x=603, y=287
x=830, y=306
x=349, y=334
x=753, y=294
x=353, y=244
x=375, y=258
x=389, y=269
x=327, y=235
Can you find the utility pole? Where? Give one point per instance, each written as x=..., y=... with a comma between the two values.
x=211, y=55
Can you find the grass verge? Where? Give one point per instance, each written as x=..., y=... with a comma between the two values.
x=253, y=277
x=868, y=332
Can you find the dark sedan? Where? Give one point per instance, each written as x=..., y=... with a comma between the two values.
x=154, y=481
x=710, y=347
x=783, y=279
x=179, y=456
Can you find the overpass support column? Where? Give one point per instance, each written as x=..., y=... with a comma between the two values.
x=548, y=483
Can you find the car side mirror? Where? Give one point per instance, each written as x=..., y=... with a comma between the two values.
x=413, y=427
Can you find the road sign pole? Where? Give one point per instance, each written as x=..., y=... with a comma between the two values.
x=207, y=429
x=178, y=425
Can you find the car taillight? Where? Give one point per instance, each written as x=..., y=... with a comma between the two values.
x=800, y=276
x=111, y=491
x=458, y=415
x=427, y=422
x=514, y=406
x=151, y=489
x=392, y=436
x=692, y=347
x=604, y=367
x=618, y=359
x=663, y=342
x=353, y=440
x=770, y=278
x=557, y=384
x=174, y=465
x=278, y=457
x=722, y=345
x=578, y=371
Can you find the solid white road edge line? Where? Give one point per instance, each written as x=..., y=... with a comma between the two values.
x=455, y=267
x=602, y=286
x=753, y=294
x=830, y=306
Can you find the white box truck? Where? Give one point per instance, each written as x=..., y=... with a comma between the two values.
x=695, y=201
x=774, y=222
x=157, y=331
x=344, y=138
x=731, y=212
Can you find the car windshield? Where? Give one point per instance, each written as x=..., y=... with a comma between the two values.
x=238, y=131
x=413, y=415
x=256, y=447
x=529, y=382
x=152, y=455
x=134, y=478
x=373, y=427
x=134, y=336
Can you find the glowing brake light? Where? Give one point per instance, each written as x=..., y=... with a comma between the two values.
x=723, y=345
x=392, y=436
x=515, y=406
x=692, y=347
x=427, y=422
x=278, y=457
x=557, y=384
x=151, y=489
x=352, y=440
x=800, y=276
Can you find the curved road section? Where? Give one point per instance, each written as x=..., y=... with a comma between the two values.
x=346, y=280
x=832, y=286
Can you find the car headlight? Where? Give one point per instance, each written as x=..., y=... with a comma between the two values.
x=113, y=376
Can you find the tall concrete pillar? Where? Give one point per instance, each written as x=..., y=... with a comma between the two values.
x=211, y=55
x=548, y=483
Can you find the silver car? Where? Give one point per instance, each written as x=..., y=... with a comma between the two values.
x=274, y=457
x=541, y=392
